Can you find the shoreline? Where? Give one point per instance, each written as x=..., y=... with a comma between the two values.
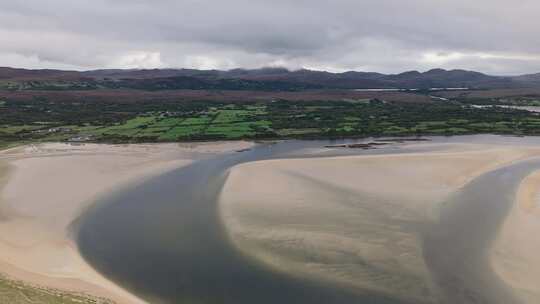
x=37, y=244
x=460, y=247
x=259, y=227
x=515, y=250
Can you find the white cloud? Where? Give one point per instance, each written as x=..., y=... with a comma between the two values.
x=208, y=62
x=138, y=60
x=32, y=62
x=383, y=35
x=441, y=58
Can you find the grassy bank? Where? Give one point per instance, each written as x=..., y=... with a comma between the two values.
x=17, y=292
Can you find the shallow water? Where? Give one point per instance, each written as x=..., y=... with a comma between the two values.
x=164, y=241
x=455, y=249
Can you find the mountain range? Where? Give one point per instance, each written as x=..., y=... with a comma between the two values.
x=264, y=79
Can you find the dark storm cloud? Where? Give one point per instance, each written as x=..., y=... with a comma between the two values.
x=385, y=35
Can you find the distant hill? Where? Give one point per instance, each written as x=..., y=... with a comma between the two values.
x=531, y=80
x=265, y=79
x=24, y=74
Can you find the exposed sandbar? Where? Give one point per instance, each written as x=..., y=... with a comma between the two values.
x=355, y=220
x=516, y=256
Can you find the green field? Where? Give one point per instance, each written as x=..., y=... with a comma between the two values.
x=192, y=121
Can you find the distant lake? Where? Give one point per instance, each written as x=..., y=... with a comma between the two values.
x=405, y=90
x=526, y=108
x=535, y=109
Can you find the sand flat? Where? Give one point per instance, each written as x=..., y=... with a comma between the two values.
x=352, y=220
x=515, y=255
x=44, y=188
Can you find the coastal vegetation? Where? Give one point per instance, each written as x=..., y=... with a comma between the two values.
x=17, y=292
x=43, y=120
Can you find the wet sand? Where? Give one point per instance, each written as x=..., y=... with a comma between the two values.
x=515, y=258
x=460, y=248
x=164, y=240
x=45, y=188
x=358, y=221
x=413, y=226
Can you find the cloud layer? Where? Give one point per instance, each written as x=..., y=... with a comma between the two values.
x=493, y=36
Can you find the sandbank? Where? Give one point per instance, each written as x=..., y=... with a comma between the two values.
x=515, y=256
x=355, y=220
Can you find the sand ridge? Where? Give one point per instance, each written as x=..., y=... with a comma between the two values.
x=354, y=220
x=515, y=254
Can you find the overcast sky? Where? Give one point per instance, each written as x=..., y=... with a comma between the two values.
x=492, y=36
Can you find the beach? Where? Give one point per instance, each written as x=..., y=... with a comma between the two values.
x=344, y=227
x=357, y=221
x=45, y=188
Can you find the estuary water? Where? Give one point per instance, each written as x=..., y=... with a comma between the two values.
x=164, y=241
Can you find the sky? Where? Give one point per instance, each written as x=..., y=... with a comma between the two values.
x=389, y=36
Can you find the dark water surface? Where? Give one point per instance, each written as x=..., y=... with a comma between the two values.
x=164, y=241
